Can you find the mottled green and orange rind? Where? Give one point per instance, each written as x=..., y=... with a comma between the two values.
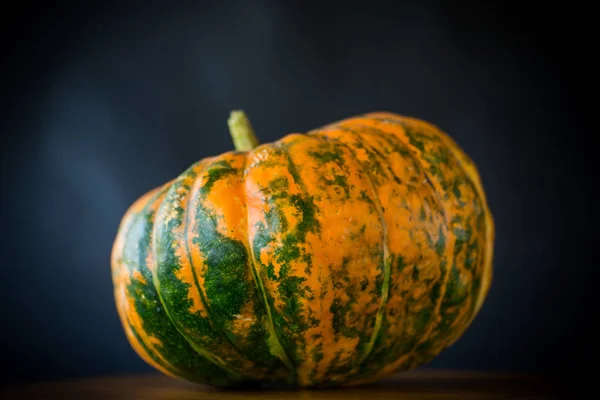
x=308, y=202
x=336, y=257
x=440, y=237
x=148, y=328
x=203, y=275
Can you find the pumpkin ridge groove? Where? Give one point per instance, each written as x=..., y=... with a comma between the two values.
x=467, y=165
x=157, y=358
x=203, y=353
x=273, y=342
x=443, y=287
x=193, y=198
x=192, y=195
x=385, y=286
x=144, y=249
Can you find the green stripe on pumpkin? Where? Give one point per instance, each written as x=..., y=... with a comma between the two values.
x=189, y=316
x=180, y=358
x=228, y=276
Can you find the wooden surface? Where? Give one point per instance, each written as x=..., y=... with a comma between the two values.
x=425, y=384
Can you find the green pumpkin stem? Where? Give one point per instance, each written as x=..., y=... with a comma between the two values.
x=241, y=131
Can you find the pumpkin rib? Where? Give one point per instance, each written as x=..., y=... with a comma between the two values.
x=192, y=200
x=280, y=219
x=387, y=137
x=372, y=149
x=431, y=325
x=386, y=252
x=398, y=144
x=273, y=342
x=192, y=195
x=188, y=371
x=219, y=247
x=220, y=259
x=446, y=278
x=350, y=313
x=216, y=360
x=472, y=175
x=457, y=152
x=132, y=216
x=157, y=357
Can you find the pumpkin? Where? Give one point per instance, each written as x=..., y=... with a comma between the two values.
x=335, y=257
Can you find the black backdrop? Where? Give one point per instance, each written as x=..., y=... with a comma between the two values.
x=101, y=103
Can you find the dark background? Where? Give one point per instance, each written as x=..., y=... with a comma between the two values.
x=103, y=102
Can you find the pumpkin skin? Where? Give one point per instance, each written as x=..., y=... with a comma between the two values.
x=336, y=257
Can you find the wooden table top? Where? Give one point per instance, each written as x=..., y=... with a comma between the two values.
x=421, y=384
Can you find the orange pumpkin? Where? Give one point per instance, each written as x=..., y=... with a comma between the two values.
x=335, y=257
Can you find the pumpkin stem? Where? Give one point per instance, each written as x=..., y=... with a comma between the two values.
x=241, y=131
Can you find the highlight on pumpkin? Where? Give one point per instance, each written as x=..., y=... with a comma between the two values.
x=241, y=131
